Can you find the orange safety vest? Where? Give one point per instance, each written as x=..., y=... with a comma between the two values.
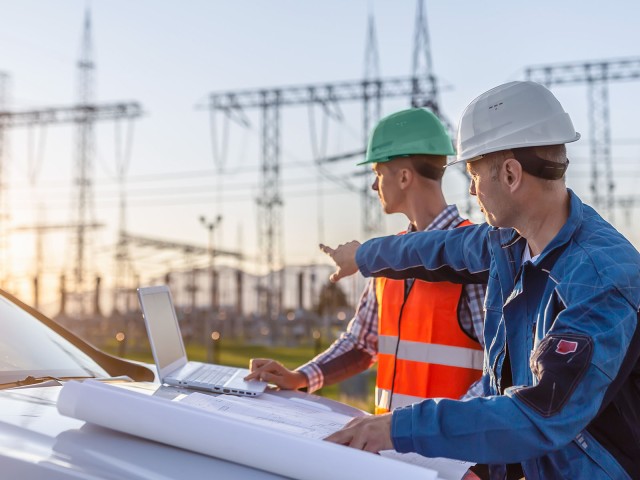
x=422, y=351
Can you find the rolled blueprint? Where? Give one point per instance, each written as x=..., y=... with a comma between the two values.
x=229, y=438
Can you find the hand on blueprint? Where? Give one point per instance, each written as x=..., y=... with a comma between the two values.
x=274, y=372
x=370, y=433
x=344, y=257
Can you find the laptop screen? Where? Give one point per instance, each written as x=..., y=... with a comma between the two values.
x=163, y=328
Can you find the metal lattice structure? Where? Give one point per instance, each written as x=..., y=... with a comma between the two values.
x=420, y=88
x=270, y=102
x=371, y=113
x=76, y=114
x=422, y=65
x=596, y=75
x=81, y=115
x=185, y=248
x=85, y=151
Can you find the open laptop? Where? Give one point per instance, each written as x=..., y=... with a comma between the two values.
x=171, y=358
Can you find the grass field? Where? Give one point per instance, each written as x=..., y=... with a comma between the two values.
x=237, y=354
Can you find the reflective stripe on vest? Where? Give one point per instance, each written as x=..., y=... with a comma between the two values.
x=431, y=353
x=435, y=358
x=383, y=397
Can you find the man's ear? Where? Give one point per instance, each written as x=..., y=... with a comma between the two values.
x=512, y=173
x=406, y=177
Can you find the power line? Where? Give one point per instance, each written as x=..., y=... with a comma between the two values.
x=596, y=74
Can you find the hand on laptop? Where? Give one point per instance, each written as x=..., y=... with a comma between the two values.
x=274, y=372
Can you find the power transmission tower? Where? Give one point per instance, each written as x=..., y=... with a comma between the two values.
x=76, y=115
x=371, y=112
x=596, y=75
x=420, y=89
x=85, y=149
x=270, y=204
x=123, y=264
x=269, y=102
x=422, y=66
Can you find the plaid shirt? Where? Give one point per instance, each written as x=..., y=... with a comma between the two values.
x=362, y=331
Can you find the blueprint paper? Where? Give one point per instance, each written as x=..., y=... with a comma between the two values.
x=447, y=468
x=301, y=419
x=227, y=437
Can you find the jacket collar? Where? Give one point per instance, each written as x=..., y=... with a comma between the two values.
x=510, y=239
x=568, y=230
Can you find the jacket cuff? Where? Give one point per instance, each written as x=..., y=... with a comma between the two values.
x=361, y=260
x=401, y=422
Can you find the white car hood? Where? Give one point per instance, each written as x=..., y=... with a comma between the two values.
x=37, y=442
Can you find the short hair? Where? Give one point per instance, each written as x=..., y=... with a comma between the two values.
x=552, y=153
x=428, y=166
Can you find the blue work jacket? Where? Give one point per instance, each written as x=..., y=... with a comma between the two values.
x=561, y=371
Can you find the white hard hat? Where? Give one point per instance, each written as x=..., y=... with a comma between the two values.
x=513, y=115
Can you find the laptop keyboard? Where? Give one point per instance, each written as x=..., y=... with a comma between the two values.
x=208, y=374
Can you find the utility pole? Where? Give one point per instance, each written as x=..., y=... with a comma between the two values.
x=211, y=225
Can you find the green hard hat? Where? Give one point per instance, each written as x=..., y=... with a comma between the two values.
x=408, y=132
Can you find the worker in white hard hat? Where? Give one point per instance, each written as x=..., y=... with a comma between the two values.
x=425, y=337
x=562, y=351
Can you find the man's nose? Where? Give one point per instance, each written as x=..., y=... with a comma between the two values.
x=374, y=185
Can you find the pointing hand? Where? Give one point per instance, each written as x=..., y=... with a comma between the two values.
x=344, y=257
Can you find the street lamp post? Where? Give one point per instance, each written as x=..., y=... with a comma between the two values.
x=211, y=225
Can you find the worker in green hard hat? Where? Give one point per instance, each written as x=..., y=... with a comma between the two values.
x=426, y=337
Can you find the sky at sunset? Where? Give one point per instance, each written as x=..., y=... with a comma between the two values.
x=169, y=55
